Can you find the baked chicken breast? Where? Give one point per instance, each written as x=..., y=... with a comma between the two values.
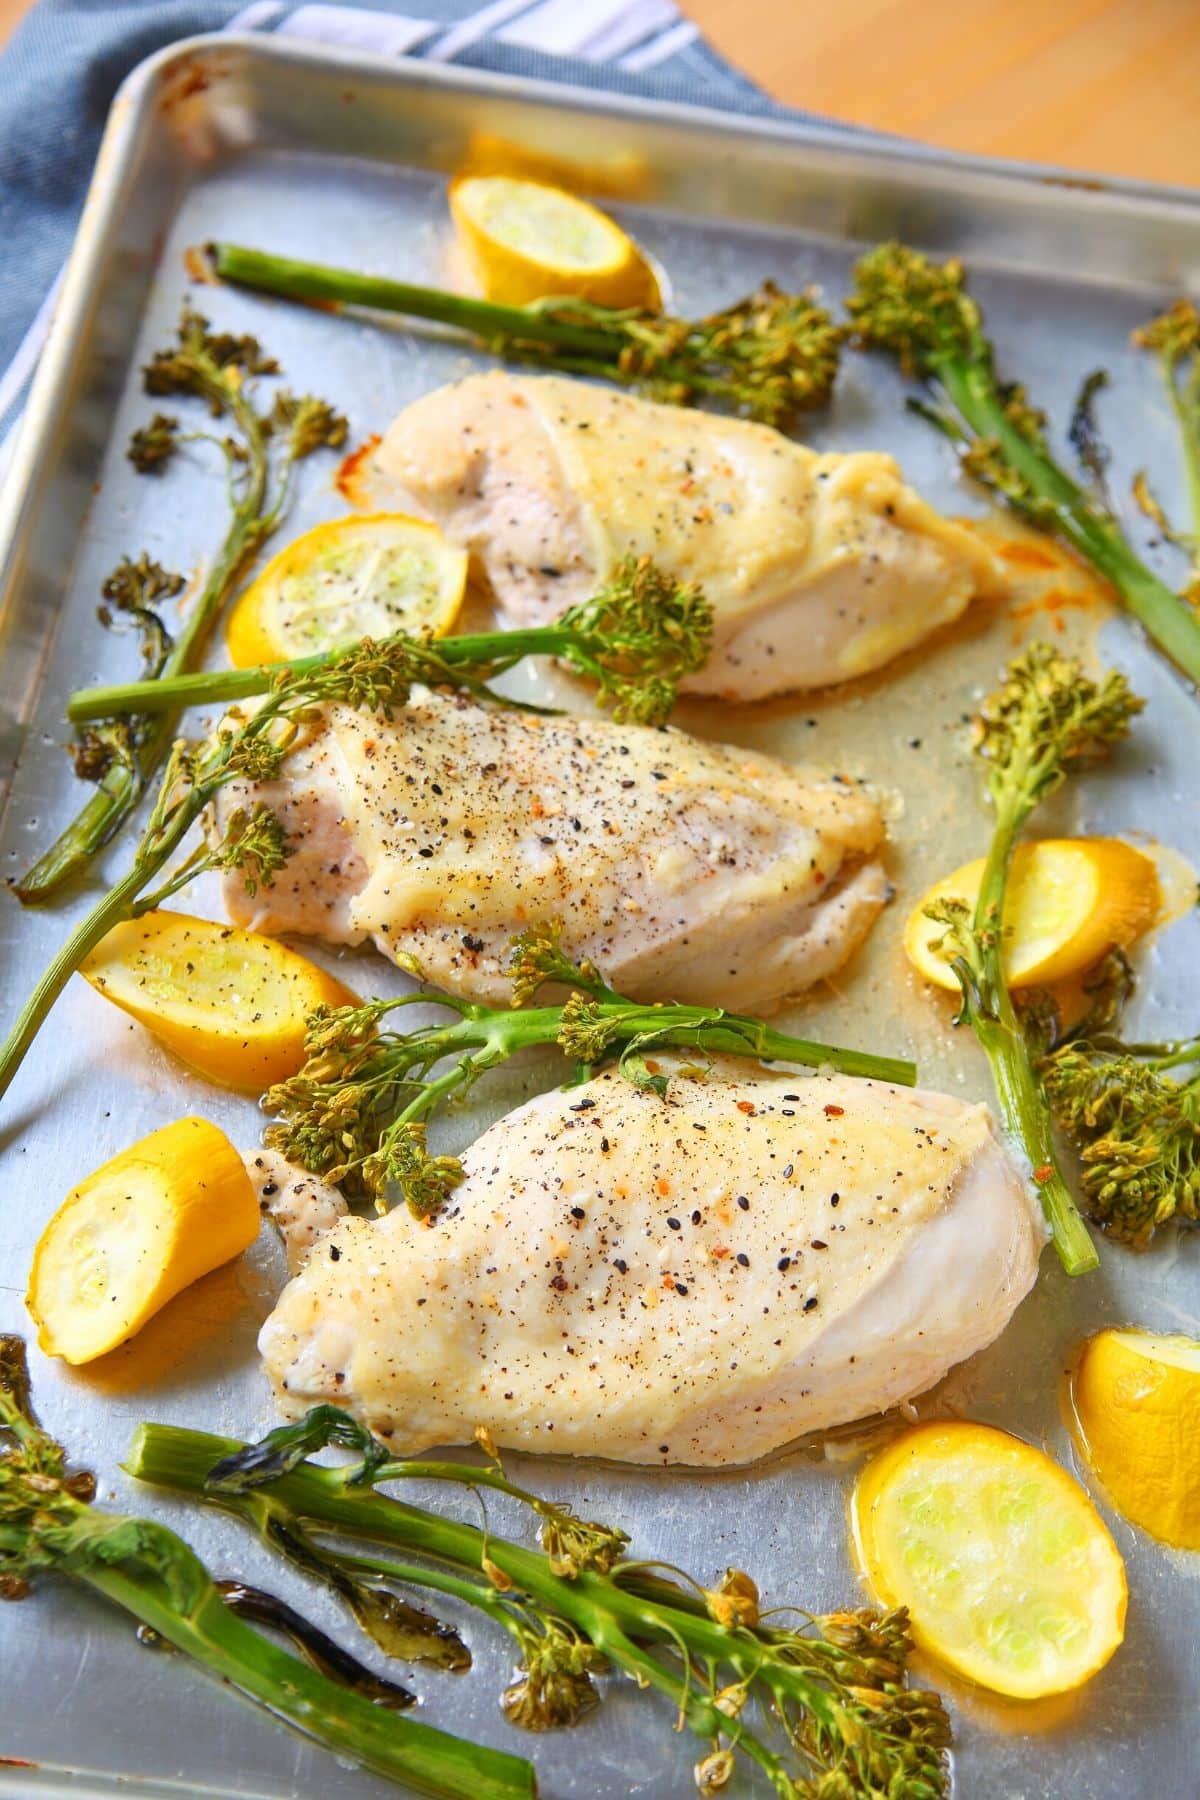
x=818, y=567
x=693, y=1280
x=683, y=869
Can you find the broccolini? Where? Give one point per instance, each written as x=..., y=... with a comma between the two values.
x=920, y=311
x=821, y=1708
x=1047, y=721
x=770, y=356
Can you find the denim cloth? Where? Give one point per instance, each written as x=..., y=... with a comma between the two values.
x=67, y=59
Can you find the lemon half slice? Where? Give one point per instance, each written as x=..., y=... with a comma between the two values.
x=1008, y=1571
x=357, y=577
x=1137, y=1414
x=232, y=1004
x=1069, y=901
x=527, y=240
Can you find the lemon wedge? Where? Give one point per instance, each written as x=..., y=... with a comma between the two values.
x=134, y=1234
x=357, y=577
x=1069, y=901
x=232, y=1004
x=526, y=239
x=1136, y=1403
x=1008, y=1571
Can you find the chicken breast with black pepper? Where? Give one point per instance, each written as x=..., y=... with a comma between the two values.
x=696, y=1279
x=818, y=567
x=684, y=869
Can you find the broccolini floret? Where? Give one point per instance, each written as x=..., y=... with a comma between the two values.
x=1131, y=1111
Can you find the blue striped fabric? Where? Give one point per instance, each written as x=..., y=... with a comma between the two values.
x=67, y=59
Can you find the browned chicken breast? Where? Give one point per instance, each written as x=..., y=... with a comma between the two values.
x=684, y=869
x=695, y=1279
x=818, y=567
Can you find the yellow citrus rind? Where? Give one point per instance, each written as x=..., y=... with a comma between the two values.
x=368, y=575
x=1069, y=902
x=526, y=240
x=232, y=1004
x=1136, y=1405
x=1010, y=1575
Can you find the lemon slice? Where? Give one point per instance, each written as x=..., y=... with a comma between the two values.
x=135, y=1233
x=526, y=240
x=1136, y=1400
x=1069, y=901
x=232, y=1004
x=357, y=577
x=1008, y=1571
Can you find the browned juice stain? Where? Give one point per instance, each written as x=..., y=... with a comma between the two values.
x=352, y=479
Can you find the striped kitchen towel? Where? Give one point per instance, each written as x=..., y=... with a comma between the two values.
x=67, y=59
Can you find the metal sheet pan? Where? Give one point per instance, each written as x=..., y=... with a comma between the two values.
x=345, y=158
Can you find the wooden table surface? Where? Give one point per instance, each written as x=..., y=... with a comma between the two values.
x=1104, y=85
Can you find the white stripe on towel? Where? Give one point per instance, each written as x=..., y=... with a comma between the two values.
x=669, y=44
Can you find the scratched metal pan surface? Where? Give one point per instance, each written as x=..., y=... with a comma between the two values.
x=345, y=160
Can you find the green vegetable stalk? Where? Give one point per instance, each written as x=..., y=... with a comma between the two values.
x=48, y=1526
x=1046, y=722
x=1173, y=337
x=921, y=313
x=771, y=356
x=822, y=1709
x=220, y=370
x=637, y=638
x=356, y=1112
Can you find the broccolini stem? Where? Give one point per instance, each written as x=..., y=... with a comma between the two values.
x=920, y=312
x=426, y=1759
x=1185, y=400
x=294, y=279
x=122, y=787
x=771, y=355
x=49, y=1525
x=116, y=906
x=1018, y=1093
x=217, y=368
x=637, y=638
x=478, y=657
x=625, y=1620
x=1052, y=496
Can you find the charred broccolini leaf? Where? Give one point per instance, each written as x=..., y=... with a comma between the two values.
x=771, y=356
x=822, y=1710
x=920, y=312
x=221, y=370
x=48, y=1527
x=1173, y=337
x=637, y=639
x=1047, y=721
x=356, y=1112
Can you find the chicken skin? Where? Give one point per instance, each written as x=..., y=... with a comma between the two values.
x=685, y=870
x=818, y=567
x=698, y=1279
